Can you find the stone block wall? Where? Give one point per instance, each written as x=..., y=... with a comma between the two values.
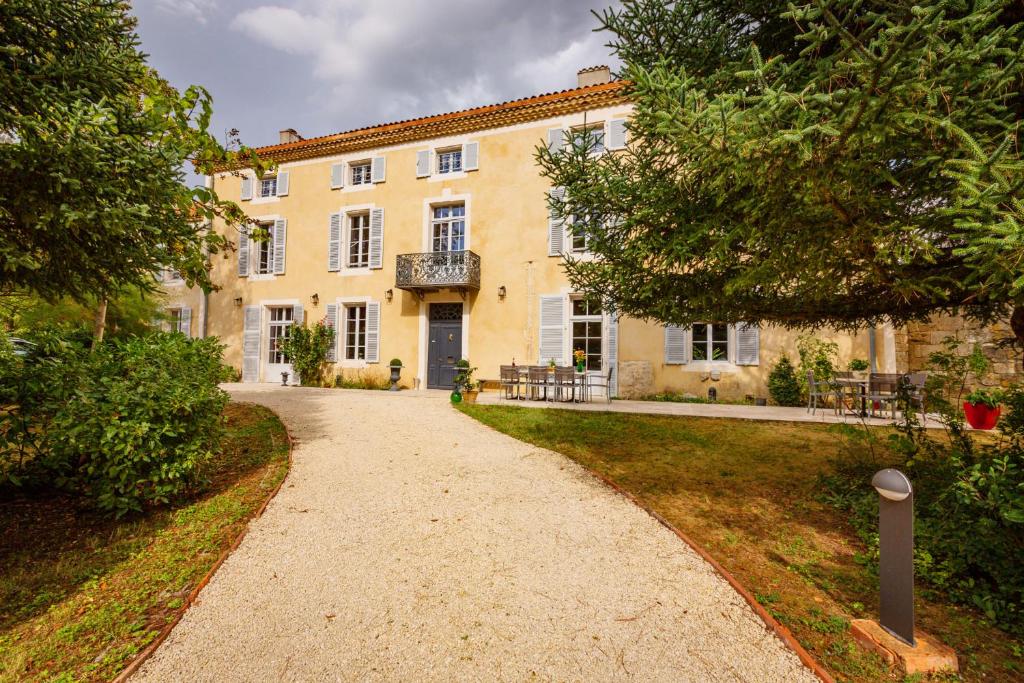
x=923, y=339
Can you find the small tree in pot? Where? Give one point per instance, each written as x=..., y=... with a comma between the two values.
x=464, y=381
x=306, y=349
x=396, y=372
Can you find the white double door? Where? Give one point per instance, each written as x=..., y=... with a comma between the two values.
x=279, y=323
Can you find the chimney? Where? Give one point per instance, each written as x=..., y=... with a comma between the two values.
x=289, y=135
x=594, y=75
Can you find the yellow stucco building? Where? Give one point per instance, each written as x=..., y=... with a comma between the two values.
x=430, y=240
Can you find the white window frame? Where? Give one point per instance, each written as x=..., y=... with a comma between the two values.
x=256, y=251
x=729, y=345
x=346, y=212
x=363, y=216
x=601, y=318
x=447, y=221
x=452, y=153
x=364, y=180
x=280, y=324
x=174, y=322
x=360, y=331
x=446, y=199
x=262, y=184
x=270, y=221
x=344, y=303
x=576, y=131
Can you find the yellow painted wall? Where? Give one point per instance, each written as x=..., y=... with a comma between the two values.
x=507, y=227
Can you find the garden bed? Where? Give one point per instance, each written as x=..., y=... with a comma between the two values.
x=749, y=493
x=81, y=594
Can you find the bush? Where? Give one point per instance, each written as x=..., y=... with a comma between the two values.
x=306, y=349
x=394, y=362
x=816, y=356
x=783, y=384
x=128, y=425
x=362, y=379
x=969, y=496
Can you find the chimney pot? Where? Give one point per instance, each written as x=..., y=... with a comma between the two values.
x=289, y=135
x=594, y=75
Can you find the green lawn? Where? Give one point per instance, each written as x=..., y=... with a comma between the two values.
x=748, y=492
x=81, y=594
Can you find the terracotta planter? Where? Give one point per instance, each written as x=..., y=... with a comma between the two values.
x=980, y=416
x=469, y=395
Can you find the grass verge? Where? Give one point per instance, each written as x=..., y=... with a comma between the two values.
x=748, y=493
x=81, y=594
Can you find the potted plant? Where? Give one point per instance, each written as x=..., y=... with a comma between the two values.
x=579, y=357
x=859, y=367
x=551, y=365
x=396, y=372
x=464, y=385
x=981, y=408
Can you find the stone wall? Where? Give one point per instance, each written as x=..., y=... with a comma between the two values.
x=922, y=339
x=636, y=378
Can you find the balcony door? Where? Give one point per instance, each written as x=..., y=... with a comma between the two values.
x=445, y=345
x=448, y=228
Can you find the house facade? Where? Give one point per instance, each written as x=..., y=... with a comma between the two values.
x=430, y=240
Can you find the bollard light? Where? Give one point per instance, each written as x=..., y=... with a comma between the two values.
x=896, y=553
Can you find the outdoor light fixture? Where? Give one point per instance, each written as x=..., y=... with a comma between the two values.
x=238, y=301
x=896, y=553
x=502, y=292
x=389, y=295
x=315, y=299
x=712, y=394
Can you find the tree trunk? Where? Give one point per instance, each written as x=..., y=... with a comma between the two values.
x=99, y=325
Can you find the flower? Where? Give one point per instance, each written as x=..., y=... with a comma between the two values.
x=579, y=355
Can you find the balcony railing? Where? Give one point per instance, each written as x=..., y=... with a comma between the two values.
x=437, y=269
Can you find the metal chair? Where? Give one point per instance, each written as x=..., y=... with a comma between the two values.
x=819, y=392
x=510, y=382
x=884, y=388
x=916, y=382
x=565, y=381
x=599, y=382
x=537, y=379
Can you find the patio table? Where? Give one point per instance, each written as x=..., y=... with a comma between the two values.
x=861, y=385
x=579, y=381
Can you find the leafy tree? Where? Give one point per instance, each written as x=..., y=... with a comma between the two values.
x=826, y=162
x=93, y=148
x=129, y=313
x=306, y=349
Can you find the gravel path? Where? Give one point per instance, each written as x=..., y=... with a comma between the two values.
x=410, y=543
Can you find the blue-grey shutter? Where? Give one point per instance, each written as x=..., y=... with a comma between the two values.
x=243, y=251
x=332, y=322
x=282, y=183
x=471, y=156
x=280, y=239
x=377, y=169
x=748, y=344
x=552, y=330
x=334, y=243
x=613, y=352
x=556, y=139
x=337, y=176
x=556, y=226
x=423, y=163
x=675, y=345
x=185, y=321
x=246, y=187
x=376, y=238
x=251, y=344
x=298, y=315
x=616, y=134
x=373, y=332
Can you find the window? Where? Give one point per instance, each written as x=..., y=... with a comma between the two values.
x=589, y=137
x=710, y=342
x=268, y=186
x=448, y=228
x=361, y=173
x=280, y=328
x=579, y=238
x=265, y=251
x=175, y=323
x=359, y=240
x=586, y=330
x=449, y=161
x=355, y=332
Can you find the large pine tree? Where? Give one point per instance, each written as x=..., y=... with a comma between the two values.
x=842, y=162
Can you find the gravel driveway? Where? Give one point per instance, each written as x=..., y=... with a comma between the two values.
x=410, y=543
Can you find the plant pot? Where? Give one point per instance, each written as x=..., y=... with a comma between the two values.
x=579, y=367
x=456, y=396
x=980, y=416
x=396, y=372
x=469, y=395
x=859, y=374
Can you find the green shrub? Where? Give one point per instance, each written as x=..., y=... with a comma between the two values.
x=128, y=425
x=395, y=361
x=362, y=379
x=858, y=365
x=306, y=349
x=817, y=356
x=464, y=377
x=783, y=384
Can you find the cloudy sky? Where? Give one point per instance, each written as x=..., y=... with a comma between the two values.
x=323, y=66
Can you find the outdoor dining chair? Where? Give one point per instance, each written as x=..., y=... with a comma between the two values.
x=537, y=381
x=598, y=382
x=820, y=392
x=565, y=383
x=510, y=381
x=916, y=382
x=883, y=389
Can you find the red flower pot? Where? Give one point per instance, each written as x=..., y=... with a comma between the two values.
x=980, y=416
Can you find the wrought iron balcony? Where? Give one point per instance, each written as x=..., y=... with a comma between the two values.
x=433, y=270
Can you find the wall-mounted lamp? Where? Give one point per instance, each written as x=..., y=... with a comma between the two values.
x=238, y=301
x=502, y=292
x=315, y=299
x=389, y=295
